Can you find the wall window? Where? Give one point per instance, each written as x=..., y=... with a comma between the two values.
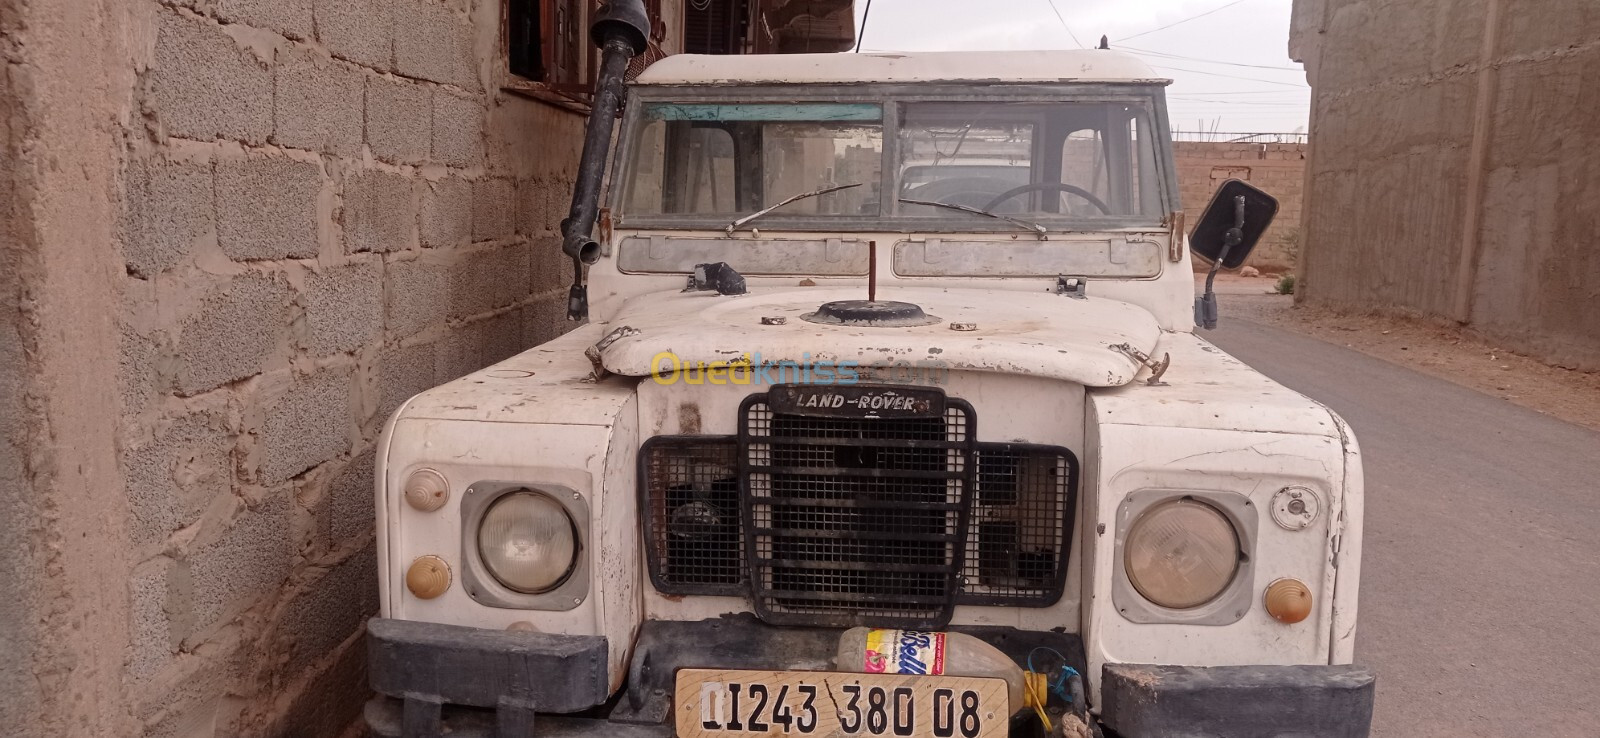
x=548, y=44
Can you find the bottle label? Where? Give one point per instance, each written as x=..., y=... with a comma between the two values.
x=905, y=652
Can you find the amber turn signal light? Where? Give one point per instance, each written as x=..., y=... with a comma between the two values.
x=428, y=577
x=1288, y=601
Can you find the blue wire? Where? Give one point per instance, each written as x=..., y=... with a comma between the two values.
x=1058, y=686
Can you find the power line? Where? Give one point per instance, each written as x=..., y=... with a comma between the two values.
x=1064, y=25
x=1164, y=55
x=1233, y=76
x=862, y=33
x=1185, y=20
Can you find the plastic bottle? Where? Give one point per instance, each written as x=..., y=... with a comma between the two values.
x=871, y=651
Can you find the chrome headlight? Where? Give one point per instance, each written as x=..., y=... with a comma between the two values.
x=1181, y=554
x=528, y=542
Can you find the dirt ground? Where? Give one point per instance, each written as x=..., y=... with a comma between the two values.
x=1447, y=353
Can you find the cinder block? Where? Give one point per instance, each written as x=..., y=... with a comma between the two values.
x=136, y=375
x=291, y=18
x=267, y=208
x=152, y=642
x=318, y=104
x=503, y=337
x=462, y=351
x=350, y=501
x=447, y=213
x=418, y=296
x=402, y=373
x=168, y=208
x=232, y=333
x=361, y=31
x=307, y=426
x=457, y=129
x=246, y=563
x=488, y=279
x=551, y=269
x=399, y=120
x=378, y=212
x=204, y=86
x=344, y=308
x=545, y=319
x=331, y=610
x=173, y=478
x=434, y=43
x=326, y=703
x=493, y=209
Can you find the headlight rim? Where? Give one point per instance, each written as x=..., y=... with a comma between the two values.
x=1226, y=608
x=481, y=584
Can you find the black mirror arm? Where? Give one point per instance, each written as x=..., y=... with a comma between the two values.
x=1205, y=308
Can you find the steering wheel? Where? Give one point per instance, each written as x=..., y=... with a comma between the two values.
x=1048, y=187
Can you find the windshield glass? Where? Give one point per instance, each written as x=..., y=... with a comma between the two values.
x=1080, y=160
x=1070, y=164
x=731, y=160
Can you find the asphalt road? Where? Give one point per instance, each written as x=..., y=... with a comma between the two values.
x=1480, y=596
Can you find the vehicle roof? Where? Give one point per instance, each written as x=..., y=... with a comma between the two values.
x=1084, y=65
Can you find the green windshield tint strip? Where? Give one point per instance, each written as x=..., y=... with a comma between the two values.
x=783, y=112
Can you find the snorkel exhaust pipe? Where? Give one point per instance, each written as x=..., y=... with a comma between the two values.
x=622, y=30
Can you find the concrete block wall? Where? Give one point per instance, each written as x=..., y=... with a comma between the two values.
x=1279, y=169
x=325, y=207
x=1453, y=173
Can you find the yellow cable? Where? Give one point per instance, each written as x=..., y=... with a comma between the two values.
x=1036, y=694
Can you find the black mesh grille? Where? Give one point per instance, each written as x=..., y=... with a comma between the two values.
x=1022, y=512
x=691, y=509
x=853, y=520
x=882, y=522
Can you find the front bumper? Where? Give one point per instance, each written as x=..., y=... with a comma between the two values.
x=435, y=680
x=1236, y=701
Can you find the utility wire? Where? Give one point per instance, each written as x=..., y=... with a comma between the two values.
x=861, y=34
x=1064, y=25
x=1164, y=55
x=1179, y=23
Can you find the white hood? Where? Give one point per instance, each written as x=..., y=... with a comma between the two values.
x=1031, y=333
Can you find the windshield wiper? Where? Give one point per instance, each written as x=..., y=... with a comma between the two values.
x=1030, y=225
x=736, y=225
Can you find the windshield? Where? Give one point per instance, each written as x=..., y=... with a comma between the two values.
x=733, y=160
x=1059, y=163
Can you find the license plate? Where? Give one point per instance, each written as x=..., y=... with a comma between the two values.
x=715, y=702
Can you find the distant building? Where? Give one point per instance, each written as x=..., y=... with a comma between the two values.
x=1454, y=172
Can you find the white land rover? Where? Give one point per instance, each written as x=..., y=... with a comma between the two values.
x=895, y=341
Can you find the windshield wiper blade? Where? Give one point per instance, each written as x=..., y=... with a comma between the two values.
x=736, y=225
x=1028, y=224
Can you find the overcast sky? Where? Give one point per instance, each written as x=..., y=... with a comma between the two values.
x=1230, y=67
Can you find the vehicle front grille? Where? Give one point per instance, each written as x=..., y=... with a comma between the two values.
x=691, y=510
x=856, y=521
x=843, y=521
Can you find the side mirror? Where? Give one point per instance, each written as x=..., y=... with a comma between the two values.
x=1232, y=224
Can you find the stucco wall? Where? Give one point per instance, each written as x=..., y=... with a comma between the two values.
x=236, y=234
x=1454, y=172
x=1278, y=169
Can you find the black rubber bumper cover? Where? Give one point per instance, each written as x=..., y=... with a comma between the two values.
x=1143, y=701
x=424, y=667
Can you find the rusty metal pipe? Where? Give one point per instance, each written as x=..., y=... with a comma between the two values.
x=621, y=29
